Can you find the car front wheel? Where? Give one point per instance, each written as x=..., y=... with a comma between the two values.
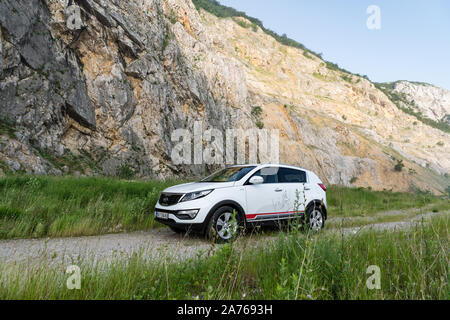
x=225, y=225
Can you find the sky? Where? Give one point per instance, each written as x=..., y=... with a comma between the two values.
x=413, y=42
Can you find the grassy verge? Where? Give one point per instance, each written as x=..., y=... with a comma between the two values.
x=32, y=206
x=413, y=265
x=68, y=206
x=350, y=202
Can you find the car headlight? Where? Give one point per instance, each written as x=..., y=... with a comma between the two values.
x=195, y=195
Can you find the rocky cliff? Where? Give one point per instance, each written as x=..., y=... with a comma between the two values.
x=105, y=96
x=430, y=101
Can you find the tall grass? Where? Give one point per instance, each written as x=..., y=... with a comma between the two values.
x=361, y=202
x=32, y=206
x=413, y=265
x=52, y=206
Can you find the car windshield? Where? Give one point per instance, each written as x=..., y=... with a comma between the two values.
x=232, y=174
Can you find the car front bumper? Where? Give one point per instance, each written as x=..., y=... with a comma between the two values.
x=195, y=227
x=176, y=220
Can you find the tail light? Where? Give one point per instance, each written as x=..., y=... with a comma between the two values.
x=323, y=187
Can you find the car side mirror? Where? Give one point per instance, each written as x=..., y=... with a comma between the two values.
x=256, y=180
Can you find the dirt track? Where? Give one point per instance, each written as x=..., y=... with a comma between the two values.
x=153, y=244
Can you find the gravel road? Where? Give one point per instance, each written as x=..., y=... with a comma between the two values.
x=394, y=225
x=153, y=244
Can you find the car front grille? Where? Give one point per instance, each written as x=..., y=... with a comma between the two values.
x=169, y=199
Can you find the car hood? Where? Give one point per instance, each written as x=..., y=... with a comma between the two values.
x=198, y=186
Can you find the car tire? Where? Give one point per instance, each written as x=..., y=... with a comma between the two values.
x=222, y=227
x=315, y=219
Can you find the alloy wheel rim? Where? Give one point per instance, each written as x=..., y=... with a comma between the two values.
x=316, y=220
x=225, y=226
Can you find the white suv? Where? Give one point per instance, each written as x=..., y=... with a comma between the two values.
x=240, y=196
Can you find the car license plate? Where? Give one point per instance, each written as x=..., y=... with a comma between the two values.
x=162, y=215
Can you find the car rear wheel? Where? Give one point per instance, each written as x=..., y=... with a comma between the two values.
x=315, y=219
x=225, y=225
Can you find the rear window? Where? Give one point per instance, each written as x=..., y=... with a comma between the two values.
x=286, y=175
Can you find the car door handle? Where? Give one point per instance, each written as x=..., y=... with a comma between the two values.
x=307, y=189
x=278, y=190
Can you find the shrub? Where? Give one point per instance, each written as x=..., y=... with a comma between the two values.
x=125, y=172
x=172, y=17
x=260, y=124
x=399, y=166
x=246, y=25
x=256, y=112
x=307, y=55
x=347, y=78
x=335, y=67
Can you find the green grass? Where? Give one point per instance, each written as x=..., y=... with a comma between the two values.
x=67, y=206
x=320, y=77
x=246, y=25
x=413, y=265
x=362, y=202
x=400, y=216
x=33, y=206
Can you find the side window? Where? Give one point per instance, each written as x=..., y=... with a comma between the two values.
x=286, y=175
x=270, y=175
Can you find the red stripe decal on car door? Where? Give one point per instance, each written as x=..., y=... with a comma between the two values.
x=253, y=216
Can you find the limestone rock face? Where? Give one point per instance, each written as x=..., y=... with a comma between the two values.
x=107, y=93
x=430, y=101
x=35, y=64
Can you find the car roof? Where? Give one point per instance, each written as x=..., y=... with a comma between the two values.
x=269, y=165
